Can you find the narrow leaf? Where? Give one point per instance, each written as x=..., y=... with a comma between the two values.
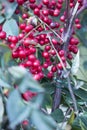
x=1, y=109
x=75, y=64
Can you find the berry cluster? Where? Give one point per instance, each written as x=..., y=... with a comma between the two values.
x=33, y=38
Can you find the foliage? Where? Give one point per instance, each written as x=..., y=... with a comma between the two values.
x=43, y=70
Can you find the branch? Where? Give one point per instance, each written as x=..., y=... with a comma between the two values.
x=72, y=95
x=59, y=58
x=19, y=43
x=69, y=28
x=57, y=97
x=82, y=8
x=51, y=30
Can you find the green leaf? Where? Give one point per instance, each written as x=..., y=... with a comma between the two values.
x=49, y=87
x=11, y=27
x=17, y=111
x=47, y=102
x=1, y=19
x=4, y=84
x=71, y=119
x=9, y=8
x=80, y=123
x=58, y=115
x=7, y=57
x=17, y=71
x=81, y=94
x=4, y=48
x=75, y=64
x=43, y=122
x=24, y=79
x=1, y=109
x=82, y=72
x=29, y=83
x=82, y=33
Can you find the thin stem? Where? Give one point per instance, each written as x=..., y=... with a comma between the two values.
x=51, y=30
x=57, y=53
x=67, y=113
x=66, y=16
x=17, y=45
x=72, y=95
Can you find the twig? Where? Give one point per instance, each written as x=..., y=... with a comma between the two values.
x=57, y=98
x=57, y=53
x=66, y=18
x=69, y=28
x=51, y=30
x=72, y=95
x=82, y=8
x=67, y=112
x=17, y=45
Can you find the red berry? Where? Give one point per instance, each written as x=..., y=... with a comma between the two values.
x=36, y=11
x=69, y=56
x=25, y=123
x=54, y=41
x=12, y=45
x=22, y=54
x=50, y=75
x=15, y=54
x=62, y=18
x=75, y=50
x=47, y=48
x=14, y=39
x=32, y=57
x=45, y=54
x=46, y=2
x=78, y=26
x=77, y=21
x=60, y=1
x=45, y=65
x=20, y=36
x=36, y=63
x=27, y=96
x=56, y=12
x=61, y=53
x=45, y=12
x=37, y=77
x=2, y=35
x=28, y=63
x=20, y=2
x=0, y=27
x=54, y=69
x=11, y=1
x=28, y=28
x=60, y=67
x=26, y=42
x=24, y=16
x=32, y=1
x=22, y=26
x=63, y=58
